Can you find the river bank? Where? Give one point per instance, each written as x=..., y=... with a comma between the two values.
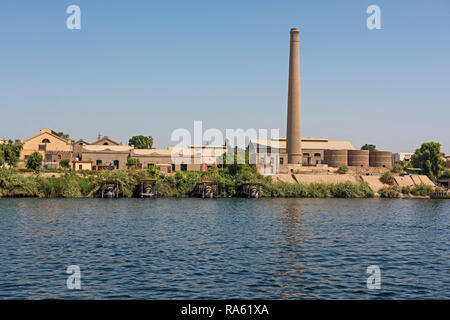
x=71, y=184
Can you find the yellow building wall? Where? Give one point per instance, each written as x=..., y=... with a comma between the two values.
x=35, y=144
x=84, y=166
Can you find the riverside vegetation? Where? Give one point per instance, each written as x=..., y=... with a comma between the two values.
x=71, y=184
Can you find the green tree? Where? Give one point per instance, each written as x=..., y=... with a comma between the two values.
x=11, y=152
x=134, y=163
x=34, y=162
x=141, y=142
x=2, y=160
x=64, y=164
x=63, y=135
x=239, y=167
x=370, y=147
x=429, y=159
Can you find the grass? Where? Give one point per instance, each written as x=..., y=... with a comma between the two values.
x=388, y=178
x=421, y=190
x=389, y=192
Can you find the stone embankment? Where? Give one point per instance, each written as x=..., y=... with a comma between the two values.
x=373, y=181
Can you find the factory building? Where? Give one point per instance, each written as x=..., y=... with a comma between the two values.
x=291, y=153
x=270, y=156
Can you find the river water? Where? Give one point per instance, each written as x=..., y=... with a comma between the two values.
x=224, y=248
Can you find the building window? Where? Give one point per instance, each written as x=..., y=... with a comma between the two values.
x=149, y=165
x=98, y=162
x=173, y=166
x=42, y=147
x=183, y=167
x=59, y=156
x=306, y=154
x=45, y=141
x=316, y=154
x=116, y=164
x=106, y=144
x=281, y=160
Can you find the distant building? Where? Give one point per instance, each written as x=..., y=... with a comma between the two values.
x=115, y=156
x=172, y=159
x=52, y=147
x=402, y=156
x=268, y=155
x=106, y=141
x=103, y=141
x=78, y=148
x=81, y=165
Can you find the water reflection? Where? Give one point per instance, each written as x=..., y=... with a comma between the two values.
x=291, y=241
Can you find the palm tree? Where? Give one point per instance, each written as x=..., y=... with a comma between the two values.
x=150, y=142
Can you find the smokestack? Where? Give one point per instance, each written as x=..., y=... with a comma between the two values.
x=293, y=137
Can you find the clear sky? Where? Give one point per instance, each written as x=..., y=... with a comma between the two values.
x=149, y=67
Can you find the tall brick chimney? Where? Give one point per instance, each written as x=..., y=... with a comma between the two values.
x=293, y=136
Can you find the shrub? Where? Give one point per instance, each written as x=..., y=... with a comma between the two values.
x=13, y=184
x=387, y=178
x=34, y=162
x=134, y=163
x=399, y=167
x=128, y=181
x=421, y=190
x=365, y=190
x=64, y=164
x=86, y=185
x=445, y=174
x=343, y=168
x=406, y=189
x=346, y=190
x=153, y=171
x=319, y=190
x=66, y=186
x=389, y=192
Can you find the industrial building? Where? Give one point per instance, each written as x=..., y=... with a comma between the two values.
x=293, y=152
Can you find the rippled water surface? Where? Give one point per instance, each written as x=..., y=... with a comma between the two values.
x=225, y=248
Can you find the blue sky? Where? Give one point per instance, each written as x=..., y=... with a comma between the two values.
x=147, y=67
